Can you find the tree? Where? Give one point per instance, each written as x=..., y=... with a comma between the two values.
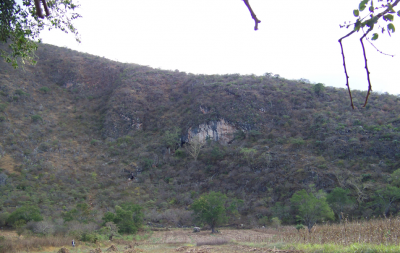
x=128, y=217
x=248, y=154
x=339, y=200
x=370, y=21
x=25, y=213
x=396, y=178
x=171, y=138
x=194, y=147
x=210, y=208
x=318, y=88
x=386, y=197
x=20, y=26
x=311, y=207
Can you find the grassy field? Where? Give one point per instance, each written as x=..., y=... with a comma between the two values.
x=369, y=236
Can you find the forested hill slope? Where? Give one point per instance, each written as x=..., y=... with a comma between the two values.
x=74, y=127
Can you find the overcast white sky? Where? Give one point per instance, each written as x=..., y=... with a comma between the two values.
x=296, y=39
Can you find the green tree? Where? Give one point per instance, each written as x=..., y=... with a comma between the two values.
x=386, y=197
x=339, y=200
x=311, y=207
x=248, y=154
x=171, y=138
x=396, y=178
x=210, y=208
x=318, y=88
x=25, y=213
x=128, y=217
x=20, y=26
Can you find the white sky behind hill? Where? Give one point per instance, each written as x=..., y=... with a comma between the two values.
x=296, y=39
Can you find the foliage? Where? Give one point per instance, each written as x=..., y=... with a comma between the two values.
x=318, y=88
x=210, y=208
x=171, y=138
x=36, y=118
x=311, y=207
x=128, y=217
x=25, y=213
x=339, y=199
x=386, y=197
x=21, y=27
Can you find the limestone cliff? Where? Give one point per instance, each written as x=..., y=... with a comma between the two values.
x=220, y=131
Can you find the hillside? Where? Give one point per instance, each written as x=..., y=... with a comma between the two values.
x=75, y=127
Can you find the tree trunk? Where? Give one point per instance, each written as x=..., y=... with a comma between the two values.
x=212, y=229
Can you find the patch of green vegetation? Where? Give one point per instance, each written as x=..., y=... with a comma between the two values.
x=352, y=248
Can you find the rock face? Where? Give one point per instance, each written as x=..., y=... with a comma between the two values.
x=220, y=131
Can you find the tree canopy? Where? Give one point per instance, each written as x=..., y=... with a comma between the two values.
x=311, y=207
x=210, y=208
x=20, y=26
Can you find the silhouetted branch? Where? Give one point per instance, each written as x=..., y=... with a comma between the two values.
x=377, y=17
x=39, y=12
x=372, y=44
x=366, y=67
x=345, y=69
x=253, y=15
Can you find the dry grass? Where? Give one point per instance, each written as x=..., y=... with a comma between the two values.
x=378, y=232
x=213, y=241
x=33, y=244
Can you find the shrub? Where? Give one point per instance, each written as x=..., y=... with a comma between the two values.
x=128, y=217
x=3, y=107
x=25, y=213
x=2, y=118
x=36, y=118
x=44, y=89
x=89, y=237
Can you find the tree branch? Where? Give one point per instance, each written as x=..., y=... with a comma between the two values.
x=46, y=9
x=372, y=44
x=38, y=9
x=366, y=67
x=345, y=69
x=39, y=12
x=253, y=15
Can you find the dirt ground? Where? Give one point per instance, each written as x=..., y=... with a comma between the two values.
x=177, y=240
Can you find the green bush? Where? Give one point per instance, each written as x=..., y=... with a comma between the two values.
x=44, y=89
x=25, y=213
x=3, y=107
x=89, y=237
x=128, y=217
x=36, y=118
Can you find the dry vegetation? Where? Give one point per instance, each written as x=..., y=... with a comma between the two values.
x=380, y=235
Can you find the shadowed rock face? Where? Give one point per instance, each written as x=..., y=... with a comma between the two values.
x=220, y=131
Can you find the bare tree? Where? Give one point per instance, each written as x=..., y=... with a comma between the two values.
x=194, y=147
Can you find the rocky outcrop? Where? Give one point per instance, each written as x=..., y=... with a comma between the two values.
x=220, y=131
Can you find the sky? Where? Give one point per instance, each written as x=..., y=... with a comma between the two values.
x=296, y=39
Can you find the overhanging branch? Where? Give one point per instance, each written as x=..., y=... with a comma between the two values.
x=366, y=67
x=253, y=15
x=345, y=69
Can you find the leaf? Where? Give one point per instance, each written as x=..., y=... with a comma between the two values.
x=388, y=17
x=375, y=36
x=391, y=27
x=356, y=13
x=398, y=13
x=363, y=5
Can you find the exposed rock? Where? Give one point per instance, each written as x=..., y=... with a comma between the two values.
x=220, y=131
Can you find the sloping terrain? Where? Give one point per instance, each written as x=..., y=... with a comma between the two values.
x=75, y=127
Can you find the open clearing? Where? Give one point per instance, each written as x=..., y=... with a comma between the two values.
x=174, y=240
